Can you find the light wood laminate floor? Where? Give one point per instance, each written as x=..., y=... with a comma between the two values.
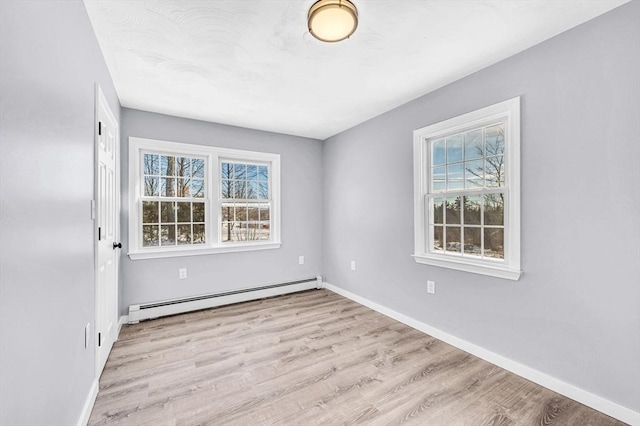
x=311, y=358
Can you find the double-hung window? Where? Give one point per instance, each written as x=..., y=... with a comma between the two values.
x=192, y=199
x=467, y=192
x=173, y=199
x=246, y=207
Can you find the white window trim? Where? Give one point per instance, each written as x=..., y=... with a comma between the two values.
x=509, y=111
x=212, y=215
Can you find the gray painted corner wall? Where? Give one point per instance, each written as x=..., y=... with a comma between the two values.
x=49, y=63
x=575, y=313
x=301, y=187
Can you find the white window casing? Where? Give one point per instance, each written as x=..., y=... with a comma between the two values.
x=506, y=264
x=212, y=198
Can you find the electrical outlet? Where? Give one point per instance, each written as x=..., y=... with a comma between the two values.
x=87, y=334
x=300, y=260
x=353, y=265
x=182, y=273
x=431, y=287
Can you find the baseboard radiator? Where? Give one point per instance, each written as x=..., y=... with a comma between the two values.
x=147, y=311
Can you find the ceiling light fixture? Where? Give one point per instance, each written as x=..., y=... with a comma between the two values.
x=332, y=20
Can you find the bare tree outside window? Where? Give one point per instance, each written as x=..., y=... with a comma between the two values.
x=245, y=202
x=471, y=164
x=173, y=206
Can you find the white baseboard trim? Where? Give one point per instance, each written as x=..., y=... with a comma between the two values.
x=124, y=319
x=88, y=404
x=580, y=395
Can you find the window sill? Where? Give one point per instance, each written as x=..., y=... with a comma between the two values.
x=497, y=271
x=231, y=248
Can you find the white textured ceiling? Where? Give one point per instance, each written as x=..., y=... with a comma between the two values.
x=252, y=63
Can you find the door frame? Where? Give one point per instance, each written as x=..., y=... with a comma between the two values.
x=101, y=101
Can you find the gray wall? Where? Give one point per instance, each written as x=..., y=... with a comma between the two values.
x=575, y=313
x=301, y=187
x=49, y=62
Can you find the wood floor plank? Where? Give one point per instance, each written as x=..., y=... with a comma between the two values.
x=311, y=358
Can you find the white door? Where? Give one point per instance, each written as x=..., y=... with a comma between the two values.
x=106, y=230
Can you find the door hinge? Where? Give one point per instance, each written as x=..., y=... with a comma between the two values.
x=99, y=233
x=99, y=127
x=99, y=339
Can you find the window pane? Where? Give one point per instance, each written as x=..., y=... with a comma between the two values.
x=265, y=231
x=454, y=171
x=494, y=171
x=253, y=213
x=167, y=187
x=473, y=145
x=494, y=140
x=454, y=148
x=494, y=209
x=183, y=187
x=438, y=210
x=494, y=242
x=151, y=164
x=263, y=173
x=225, y=232
x=264, y=213
x=199, y=236
x=183, y=166
x=168, y=235
x=453, y=238
x=197, y=167
x=252, y=172
x=474, y=174
x=263, y=190
x=167, y=165
x=438, y=173
x=472, y=210
x=453, y=210
x=226, y=170
x=151, y=186
x=472, y=241
x=167, y=212
x=197, y=188
x=150, y=235
x=455, y=184
x=150, y=211
x=438, y=152
x=184, y=212
x=438, y=185
x=227, y=212
x=240, y=232
x=455, y=176
x=198, y=213
x=227, y=189
x=253, y=231
x=240, y=171
x=252, y=190
x=241, y=212
x=437, y=238
x=240, y=189
x=184, y=234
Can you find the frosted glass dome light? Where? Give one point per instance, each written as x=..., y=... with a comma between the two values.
x=332, y=20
